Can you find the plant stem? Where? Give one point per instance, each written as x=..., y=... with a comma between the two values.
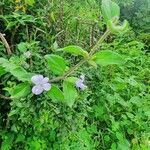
x=70, y=71
x=93, y=50
x=103, y=37
x=9, y=52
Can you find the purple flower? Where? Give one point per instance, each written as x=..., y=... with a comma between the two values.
x=80, y=83
x=41, y=84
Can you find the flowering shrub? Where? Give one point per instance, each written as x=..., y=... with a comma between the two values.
x=57, y=95
x=58, y=65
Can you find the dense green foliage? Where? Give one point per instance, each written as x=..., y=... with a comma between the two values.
x=112, y=113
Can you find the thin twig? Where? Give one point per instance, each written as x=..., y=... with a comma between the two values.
x=94, y=49
x=92, y=35
x=9, y=52
x=12, y=37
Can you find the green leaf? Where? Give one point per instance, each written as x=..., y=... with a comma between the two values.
x=2, y=71
x=76, y=50
x=30, y=2
x=117, y=28
x=21, y=90
x=70, y=92
x=56, y=64
x=20, y=137
x=110, y=10
x=21, y=74
x=10, y=25
x=7, y=141
x=22, y=47
x=3, y=60
x=55, y=94
x=108, y=58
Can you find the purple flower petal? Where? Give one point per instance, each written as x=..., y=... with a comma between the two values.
x=37, y=89
x=37, y=79
x=80, y=84
x=83, y=87
x=46, y=86
x=45, y=80
x=82, y=77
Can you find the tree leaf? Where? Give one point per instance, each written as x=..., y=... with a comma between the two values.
x=56, y=64
x=22, y=47
x=55, y=94
x=76, y=50
x=110, y=10
x=30, y=2
x=3, y=60
x=2, y=71
x=108, y=58
x=21, y=90
x=21, y=74
x=20, y=137
x=7, y=142
x=70, y=93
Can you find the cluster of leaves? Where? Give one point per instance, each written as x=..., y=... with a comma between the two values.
x=57, y=64
x=137, y=13
x=109, y=114
x=122, y=103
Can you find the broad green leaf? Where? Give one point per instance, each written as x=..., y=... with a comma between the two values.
x=9, y=66
x=2, y=71
x=21, y=74
x=110, y=10
x=56, y=64
x=22, y=47
x=21, y=90
x=76, y=50
x=108, y=58
x=30, y=2
x=55, y=94
x=70, y=92
x=3, y=60
x=6, y=64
